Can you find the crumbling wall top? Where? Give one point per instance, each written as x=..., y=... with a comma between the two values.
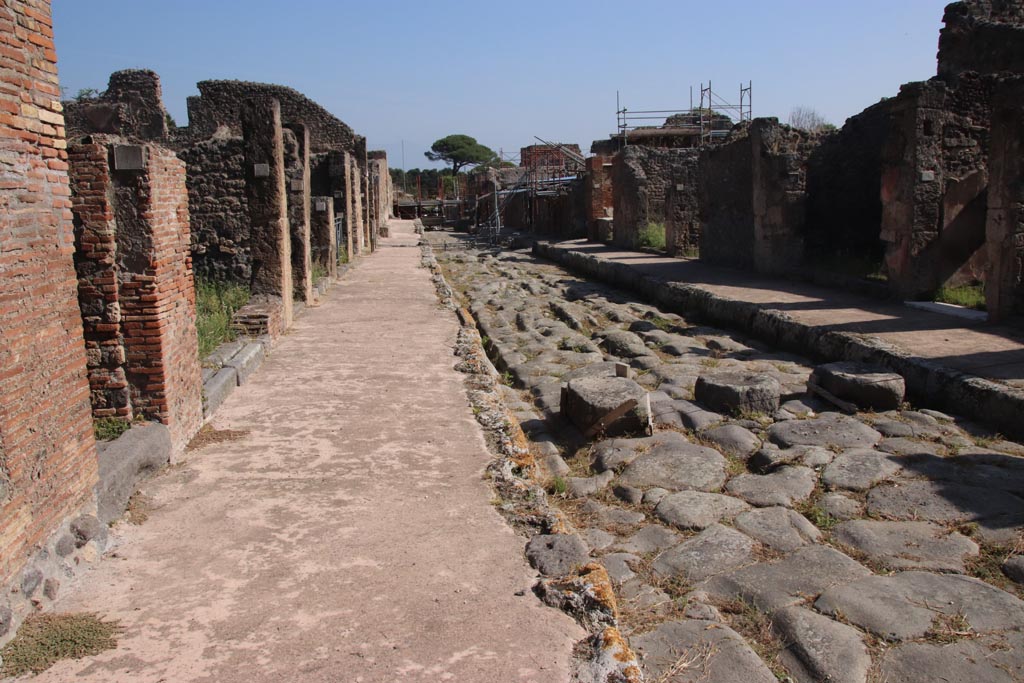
x=132, y=106
x=219, y=106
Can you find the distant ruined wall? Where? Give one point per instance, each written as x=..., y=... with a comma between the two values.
x=1005, y=219
x=682, y=206
x=753, y=191
x=641, y=177
x=844, y=181
x=598, y=195
x=984, y=36
x=219, y=209
x=132, y=106
x=220, y=105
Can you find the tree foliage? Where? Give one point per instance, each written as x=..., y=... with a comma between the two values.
x=806, y=118
x=459, y=151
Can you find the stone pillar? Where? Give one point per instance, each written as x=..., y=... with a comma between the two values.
x=98, y=292
x=1004, y=228
x=48, y=464
x=296, y=154
x=270, y=241
x=323, y=239
x=912, y=181
x=779, y=173
x=136, y=284
x=357, y=223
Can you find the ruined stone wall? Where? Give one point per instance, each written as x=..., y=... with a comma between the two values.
x=323, y=238
x=934, y=183
x=844, y=181
x=726, y=202
x=682, y=206
x=753, y=197
x=984, y=36
x=296, y=162
x=132, y=106
x=641, y=177
x=47, y=450
x=598, y=192
x=1005, y=218
x=221, y=103
x=219, y=209
x=136, y=284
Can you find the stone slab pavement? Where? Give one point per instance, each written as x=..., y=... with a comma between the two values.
x=346, y=535
x=990, y=351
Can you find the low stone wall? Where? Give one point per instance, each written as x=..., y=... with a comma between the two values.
x=927, y=382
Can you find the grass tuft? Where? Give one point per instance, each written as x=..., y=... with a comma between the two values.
x=216, y=303
x=109, y=428
x=319, y=272
x=652, y=236
x=968, y=296
x=45, y=639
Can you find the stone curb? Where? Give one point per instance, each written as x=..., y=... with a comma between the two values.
x=604, y=656
x=928, y=383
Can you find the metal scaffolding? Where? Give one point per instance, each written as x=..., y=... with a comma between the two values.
x=704, y=121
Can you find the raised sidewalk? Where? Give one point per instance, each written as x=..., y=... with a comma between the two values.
x=970, y=369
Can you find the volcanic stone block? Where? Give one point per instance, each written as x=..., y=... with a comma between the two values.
x=587, y=400
x=734, y=392
x=864, y=385
x=556, y=554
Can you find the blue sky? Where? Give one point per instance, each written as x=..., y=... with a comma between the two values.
x=504, y=72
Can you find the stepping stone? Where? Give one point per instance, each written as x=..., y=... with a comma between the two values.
x=807, y=572
x=859, y=469
x=609, y=515
x=697, y=510
x=716, y=549
x=948, y=502
x=612, y=454
x=676, y=467
x=820, y=649
x=716, y=653
x=864, y=385
x=908, y=545
x=623, y=344
x=736, y=392
x=902, y=446
x=770, y=457
x=778, y=528
x=586, y=400
x=785, y=486
x=1014, y=568
x=650, y=539
x=841, y=507
x=617, y=566
x=733, y=440
x=598, y=539
x=556, y=554
x=904, y=606
x=634, y=594
x=830, y=430
x=695, y=417
x=992, y=659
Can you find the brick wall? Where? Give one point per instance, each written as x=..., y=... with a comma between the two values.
x=136, y=284
x=47, y=450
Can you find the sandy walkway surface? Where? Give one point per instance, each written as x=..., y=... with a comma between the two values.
x=347, y=536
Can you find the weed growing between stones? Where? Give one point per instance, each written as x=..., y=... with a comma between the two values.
x=216, y=303
x=987, y=565
x=109, y=428
x=45, y=639
x=949, y=628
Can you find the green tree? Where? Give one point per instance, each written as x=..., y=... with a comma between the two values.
x=459, y=151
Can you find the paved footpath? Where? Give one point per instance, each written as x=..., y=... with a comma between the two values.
x=347, y=536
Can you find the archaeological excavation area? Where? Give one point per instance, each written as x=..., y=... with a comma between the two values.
x=694, y=406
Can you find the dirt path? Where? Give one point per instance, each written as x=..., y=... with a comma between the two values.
x=348, y=536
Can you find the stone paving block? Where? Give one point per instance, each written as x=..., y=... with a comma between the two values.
x=908, y=545
x=716, y=549
x=718, y=653
x=696, y=509
x=556, y=554
x=820, y=649
x=735, y=392
x=829, y=430
x=247, y=361
x=784, y=486
x=778, y=528
x=676, y=467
